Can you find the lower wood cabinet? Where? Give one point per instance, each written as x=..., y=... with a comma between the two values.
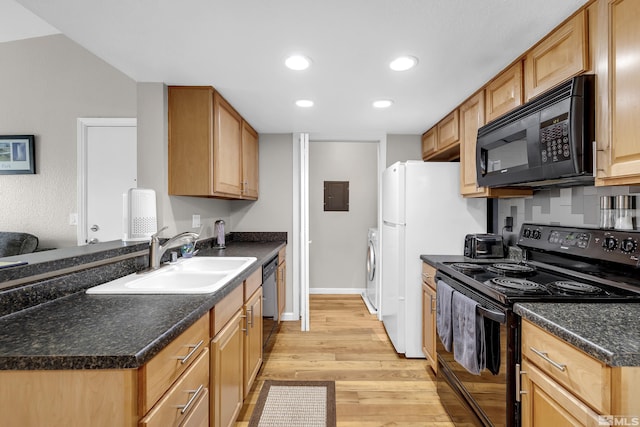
x=562, y=385
x=429, y=315
x=252, y=339
x=226, y=372
x=281, y=282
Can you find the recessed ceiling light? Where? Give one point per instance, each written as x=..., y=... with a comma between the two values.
x=297, y=62
x=382, y=103
x=304, y=103
x=403, y=63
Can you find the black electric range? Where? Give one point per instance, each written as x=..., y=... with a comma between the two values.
x=560, y=264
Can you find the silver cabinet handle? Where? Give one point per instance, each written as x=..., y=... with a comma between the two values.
x=519, y=391
x=250, y=319
x=194, y=348
x=545, y=356
x=184, y=408
x=246, y=322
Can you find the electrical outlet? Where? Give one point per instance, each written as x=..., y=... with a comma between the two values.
x=508, y=223
x=73, y=219
x=195, y=221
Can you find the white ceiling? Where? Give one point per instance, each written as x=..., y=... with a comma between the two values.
x=238, y=46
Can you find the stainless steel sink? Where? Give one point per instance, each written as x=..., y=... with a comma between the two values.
x=199, y=275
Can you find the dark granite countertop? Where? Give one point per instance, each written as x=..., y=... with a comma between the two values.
x=83, y=331
x=610, y=332
x=433, y=260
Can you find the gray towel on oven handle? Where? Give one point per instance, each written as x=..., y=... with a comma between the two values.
x=444, y=294
x=468, y=334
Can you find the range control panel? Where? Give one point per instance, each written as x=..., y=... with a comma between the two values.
x=608, y=245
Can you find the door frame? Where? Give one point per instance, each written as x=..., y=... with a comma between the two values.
x=83, y=126
x=301, y=214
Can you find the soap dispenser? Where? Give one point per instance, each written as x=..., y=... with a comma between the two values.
x=219, y=233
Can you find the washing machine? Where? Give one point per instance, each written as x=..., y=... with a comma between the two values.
x=371, y=294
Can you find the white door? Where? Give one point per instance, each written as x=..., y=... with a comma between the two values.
x=108, y=151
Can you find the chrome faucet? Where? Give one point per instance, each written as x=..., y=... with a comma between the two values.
x=156, y=250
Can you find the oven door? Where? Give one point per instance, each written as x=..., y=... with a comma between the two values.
x=486, y=399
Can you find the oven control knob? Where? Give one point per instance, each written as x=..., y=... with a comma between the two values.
x=628, y=245
x=536, y=234
x=527, y=233
x=609, y=243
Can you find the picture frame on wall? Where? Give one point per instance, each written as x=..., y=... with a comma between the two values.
x=17, y=154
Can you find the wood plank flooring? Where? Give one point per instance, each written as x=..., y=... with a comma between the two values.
x=374, y=386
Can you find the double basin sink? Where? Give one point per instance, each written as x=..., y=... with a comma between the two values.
x=198, y=275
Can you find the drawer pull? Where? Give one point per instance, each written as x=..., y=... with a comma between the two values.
x=194, y=348
x=426, y=277
x=543, y=354
x=184, y=408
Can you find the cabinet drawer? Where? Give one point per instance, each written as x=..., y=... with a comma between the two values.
x=583, y=375
x=183, y=398
x=225, y=309
x=199, y=416
x=252, y=283
x=161, y=371
x=429, y=275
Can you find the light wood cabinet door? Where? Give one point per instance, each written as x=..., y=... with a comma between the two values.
x=190, y=127
x=281, y=282
x=252, y=339
x=618, y=127
x=250, y=163
x=546, y=403
x=429, y=142
x=226, y=367
x=504, y=93
x=227, y=148
x=561, y=55
x=429, y=315
x=448, y=131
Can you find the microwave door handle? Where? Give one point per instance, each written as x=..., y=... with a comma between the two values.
x=490, y=314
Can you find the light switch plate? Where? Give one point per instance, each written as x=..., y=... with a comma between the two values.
x=195, y=221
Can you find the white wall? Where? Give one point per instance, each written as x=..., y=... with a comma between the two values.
x=46, y=83
x=273, y=211
x=338, y=252
x=403, y=147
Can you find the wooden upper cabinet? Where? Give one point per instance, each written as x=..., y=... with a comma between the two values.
x=429, y=143
x=190, y=141
x=618, y=127
x=504, y=93
x=209, y=143
x=250, y=163
x=560, y=56
x=449, y=130
x=442, y=142
x=227, y=148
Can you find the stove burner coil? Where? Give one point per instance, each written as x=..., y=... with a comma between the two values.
x=516, y=284
x=512, y=269
x=467, y=266
x=575, y=287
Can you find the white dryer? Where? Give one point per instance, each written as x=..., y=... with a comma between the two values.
x=371, y=295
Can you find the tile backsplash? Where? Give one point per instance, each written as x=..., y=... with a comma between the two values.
x=574, y=206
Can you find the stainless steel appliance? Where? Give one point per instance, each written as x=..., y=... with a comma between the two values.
x=564, y=264
x=547, y=141
x=483, y=246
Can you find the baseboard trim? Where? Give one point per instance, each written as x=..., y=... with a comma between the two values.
x=336, y=291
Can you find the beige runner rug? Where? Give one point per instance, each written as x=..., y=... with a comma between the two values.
x=295, y=404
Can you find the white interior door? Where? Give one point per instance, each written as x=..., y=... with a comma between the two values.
x=108, y=152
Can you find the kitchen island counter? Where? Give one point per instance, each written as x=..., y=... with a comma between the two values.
x=83, y=331
x=609, y=332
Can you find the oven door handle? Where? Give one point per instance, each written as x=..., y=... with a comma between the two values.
x=490, y=314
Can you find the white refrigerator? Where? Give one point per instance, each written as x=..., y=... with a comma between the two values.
x=422, y=213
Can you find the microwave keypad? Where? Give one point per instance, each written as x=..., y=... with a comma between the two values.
x=554, y=143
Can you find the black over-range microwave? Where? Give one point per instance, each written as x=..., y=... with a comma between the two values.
x=546, y=142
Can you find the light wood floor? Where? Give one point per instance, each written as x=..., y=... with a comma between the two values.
x=374, y=386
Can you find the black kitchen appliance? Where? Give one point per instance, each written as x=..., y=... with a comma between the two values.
x=561, y=264
x=545, y=142
x=483, y=246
